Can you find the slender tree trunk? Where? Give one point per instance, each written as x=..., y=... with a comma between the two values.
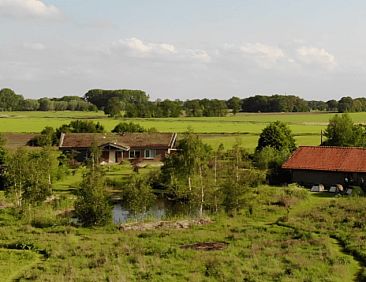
x=202, y=193
x=215, y=170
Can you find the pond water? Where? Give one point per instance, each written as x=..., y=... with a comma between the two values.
x=161, y=209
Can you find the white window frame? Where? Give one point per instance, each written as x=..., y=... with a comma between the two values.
x=151, y=154
x=133, y=155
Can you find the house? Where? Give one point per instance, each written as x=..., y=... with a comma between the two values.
x=118, y=147
x=327, y=165
x=14, y=141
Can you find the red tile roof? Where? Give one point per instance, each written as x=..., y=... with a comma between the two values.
x=345, y=159
x=134, y=140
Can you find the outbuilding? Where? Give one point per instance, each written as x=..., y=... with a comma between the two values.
x=312, y=165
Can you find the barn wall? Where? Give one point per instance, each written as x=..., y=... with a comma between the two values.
x=318, y=177
x=308, y=177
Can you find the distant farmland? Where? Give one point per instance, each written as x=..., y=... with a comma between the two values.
x=214, y=130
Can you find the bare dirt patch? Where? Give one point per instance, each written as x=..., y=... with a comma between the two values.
x=206, y=246
x=179, y=224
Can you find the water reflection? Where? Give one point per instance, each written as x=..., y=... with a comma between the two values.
x=161, y=209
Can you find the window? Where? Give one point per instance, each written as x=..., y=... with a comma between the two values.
x=134, y=154
x=150, y=154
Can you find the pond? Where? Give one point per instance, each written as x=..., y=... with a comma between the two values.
x=161, y=209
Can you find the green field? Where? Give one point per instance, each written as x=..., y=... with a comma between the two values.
x=215, y=130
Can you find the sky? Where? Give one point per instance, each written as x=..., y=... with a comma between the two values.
x=184, y=49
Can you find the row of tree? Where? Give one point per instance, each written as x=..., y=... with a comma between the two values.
x=136, y=103
x=10, y=101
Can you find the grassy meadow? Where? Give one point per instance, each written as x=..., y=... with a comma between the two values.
x=273, y=240
x=214, y=130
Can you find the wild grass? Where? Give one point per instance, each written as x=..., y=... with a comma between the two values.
x=258, y=248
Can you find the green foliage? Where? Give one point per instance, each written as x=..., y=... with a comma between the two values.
x=137, y=194
x=278, y=136
x=234, y=103
x=275, y=145
x=168, y=108
x=114, y=107
x=341, y=131
x=46, y=138
x=274, y=103
x=233, y=195
x=2, y=149
x=345, y=105
x=9, y=101
x=92, y=207
x=270, y=158
x=205, y=107
x=82, y=126
x=28, y=176
x=128, y=127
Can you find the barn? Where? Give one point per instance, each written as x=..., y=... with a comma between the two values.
x=311, y=165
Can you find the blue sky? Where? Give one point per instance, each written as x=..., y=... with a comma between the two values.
x=184, y=49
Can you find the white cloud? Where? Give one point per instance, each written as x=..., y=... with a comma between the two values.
x=28, y=8
x=145, y=48
x=317, y=56
x=36, y=46
x=200, y=55
x=262, y=51
x=135, y=47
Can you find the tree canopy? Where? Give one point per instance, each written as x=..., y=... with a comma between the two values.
x=278, y=136
x=341, y=131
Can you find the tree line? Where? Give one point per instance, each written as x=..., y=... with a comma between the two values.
x=10, y=101
x=136, y=103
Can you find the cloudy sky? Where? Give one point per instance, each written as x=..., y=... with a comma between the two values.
x=184, y=48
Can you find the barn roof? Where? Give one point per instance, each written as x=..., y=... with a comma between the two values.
x=137, y=140
x=345, y=159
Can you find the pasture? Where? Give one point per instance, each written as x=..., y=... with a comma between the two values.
x=214, y=130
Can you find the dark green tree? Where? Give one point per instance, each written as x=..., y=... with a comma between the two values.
x=92, y=206
x=46, y=104
x=278, y=136
x=345, y=105
x=332, y=105
x=46, y=138
x=114, y=107
x=138, y=195
x=185, y=172
x=128, y=127
x=9, y=100
x=341, y=131
x=234, y=103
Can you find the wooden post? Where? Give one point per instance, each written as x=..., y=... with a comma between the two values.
x=321, y=137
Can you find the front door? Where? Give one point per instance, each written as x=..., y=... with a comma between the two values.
x=118, y=156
